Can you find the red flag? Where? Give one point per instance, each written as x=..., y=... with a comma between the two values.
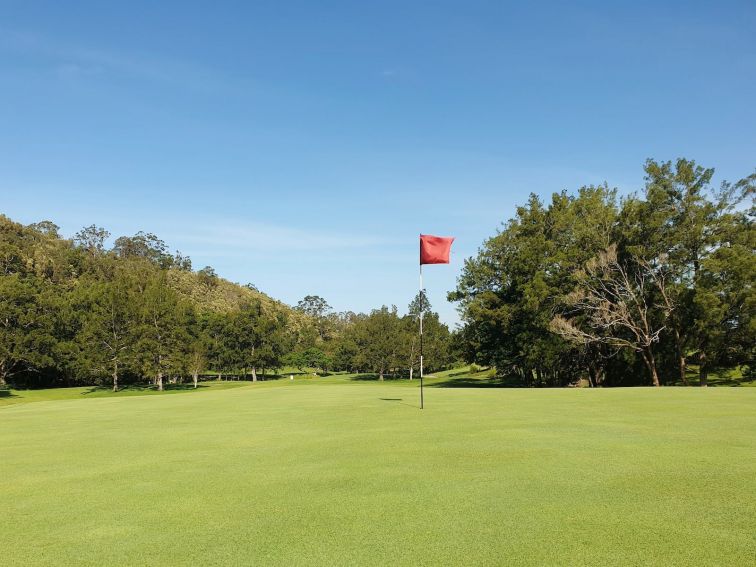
x=435, y=249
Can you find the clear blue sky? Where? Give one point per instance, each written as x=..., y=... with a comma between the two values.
x=303, y=146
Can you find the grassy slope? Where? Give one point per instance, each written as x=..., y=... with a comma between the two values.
x=333, y=471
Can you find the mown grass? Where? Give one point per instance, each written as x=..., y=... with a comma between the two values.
x=339, y=471
x=12, y=396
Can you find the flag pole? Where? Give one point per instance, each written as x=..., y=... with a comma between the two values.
x=422, y=308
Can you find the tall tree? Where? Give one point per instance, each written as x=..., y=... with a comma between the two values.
x=686, y=220
x=162, y=336
x=108, y=335
x=92, y=239
x=318, y=309
x=613, y=297
x=508, y=293
x=379, y=339
x=26, y=338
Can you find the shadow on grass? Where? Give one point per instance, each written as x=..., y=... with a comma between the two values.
x=731, y=382
x=7, y=394
x=376, y=378
x=726, y=377
x=473, y=382
x=391, y=399
x=460, y=373
x=145, y=388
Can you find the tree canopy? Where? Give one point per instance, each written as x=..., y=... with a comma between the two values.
x=596, y=288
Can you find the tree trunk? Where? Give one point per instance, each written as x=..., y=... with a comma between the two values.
x=219, y=376
x=254, y=374
x=159, y=381
x=115, y=376
x=381, y=375
x=681, y=358
x=648, y=358
x=195, y=378
x=411, y=370
x=600, y=376
x=683, y=369
x=703, y=371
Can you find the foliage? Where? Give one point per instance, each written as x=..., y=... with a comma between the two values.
x=668, y=277
x=74, y=312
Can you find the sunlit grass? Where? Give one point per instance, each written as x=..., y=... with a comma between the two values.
x=347, y=472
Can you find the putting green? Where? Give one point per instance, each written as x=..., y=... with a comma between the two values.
x=339, y=472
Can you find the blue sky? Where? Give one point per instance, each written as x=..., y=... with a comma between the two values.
x=303, y=146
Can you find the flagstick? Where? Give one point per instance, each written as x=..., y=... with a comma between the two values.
x=422, y=308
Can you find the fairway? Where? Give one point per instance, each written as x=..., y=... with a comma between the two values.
x=340, y=472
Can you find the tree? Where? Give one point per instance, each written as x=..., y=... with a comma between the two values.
x=181, y=262
x=419, y=304
x=107, y=337
x=724, y=303
x=216, y=328
x=197, y=360
x=270, y=341
x=92, y=239
x=144, y=245
x=507, y=294
x=46, y=227
x=684, y=219
x=612, y=299
x=72, y=312
x=316, y=307
x=26, y=339
x=162, y=335
x=436, y=337
x=379, y=339
x=345, y=354
x=208, y=277
x=255, y=339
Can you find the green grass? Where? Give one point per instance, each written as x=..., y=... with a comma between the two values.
x=10, y=397
x=337, y=471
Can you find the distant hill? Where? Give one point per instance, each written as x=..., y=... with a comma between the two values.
x=220, y=295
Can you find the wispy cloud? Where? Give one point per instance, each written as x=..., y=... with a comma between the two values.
x=70, y=61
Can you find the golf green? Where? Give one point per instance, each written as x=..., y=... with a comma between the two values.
x=338, y=472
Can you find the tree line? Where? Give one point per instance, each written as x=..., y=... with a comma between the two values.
x=77, y=312
x=381, y=341
x=617, y=291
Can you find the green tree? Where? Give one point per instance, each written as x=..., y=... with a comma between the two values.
x=612, y=300
x=318, y=309
x=144, y=245
x=509, y=292
x=379, y=339
x=724, y=303
x=92, y=239
x=26, y=339
x=162, y=335
x=108, y=333
x=345, y=354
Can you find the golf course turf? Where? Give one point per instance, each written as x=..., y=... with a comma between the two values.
x=336, y=471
